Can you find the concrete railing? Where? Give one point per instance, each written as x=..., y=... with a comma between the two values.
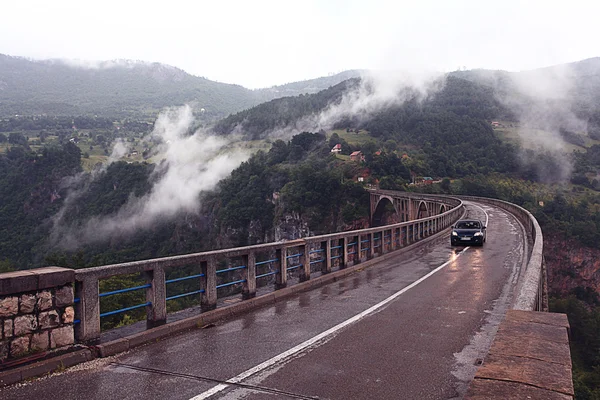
x=532, y=281
x=299, y=259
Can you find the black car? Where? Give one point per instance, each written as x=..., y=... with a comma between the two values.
x=468, y=231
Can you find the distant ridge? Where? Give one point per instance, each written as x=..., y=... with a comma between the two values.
x=126, y=88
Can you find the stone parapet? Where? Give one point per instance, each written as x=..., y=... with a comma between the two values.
x=36, y=312
x=529, y=359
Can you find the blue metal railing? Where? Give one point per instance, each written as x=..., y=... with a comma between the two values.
x=177, y=296
x=267, y=274
x=295, y=255
x=317, y=261
x=294, y=267
x=230, y=283
x=267, y=261
x=220, y=271
x=126, y=290
x=185, y=278
x=121, y=310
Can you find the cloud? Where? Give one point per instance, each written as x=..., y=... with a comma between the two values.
x=376, y=91
x=188, y=165
x=543, y=102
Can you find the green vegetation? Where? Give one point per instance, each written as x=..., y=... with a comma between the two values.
x=124, y=89
x=259, y=121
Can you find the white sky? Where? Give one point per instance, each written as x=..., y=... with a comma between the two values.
x=262, y=42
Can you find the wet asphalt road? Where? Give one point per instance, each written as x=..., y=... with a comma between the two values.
x=423, y=344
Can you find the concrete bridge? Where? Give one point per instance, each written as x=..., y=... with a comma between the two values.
x=387, y=312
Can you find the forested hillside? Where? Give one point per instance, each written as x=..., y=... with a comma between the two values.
x=299, y=179
x=124, y=88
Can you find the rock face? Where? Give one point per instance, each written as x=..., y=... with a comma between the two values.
x=290, y=227
x=572, y=266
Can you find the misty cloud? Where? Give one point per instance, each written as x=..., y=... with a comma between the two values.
x=543, y=103
x=379, y=90
x=376, y=91
x=187, y=165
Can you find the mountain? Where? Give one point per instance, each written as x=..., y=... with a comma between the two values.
x=565, y=95
x=311, y=85
x=109, y=89
x=127, y=88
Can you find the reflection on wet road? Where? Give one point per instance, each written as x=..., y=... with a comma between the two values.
x=413, y=326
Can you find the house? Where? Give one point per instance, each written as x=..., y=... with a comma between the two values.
x=422, y=180
x=495, y=124
x=337, y=148
x=357, y=156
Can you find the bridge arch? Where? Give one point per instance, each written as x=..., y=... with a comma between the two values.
x=422, y=211
x=442, y=209
x=381, y=216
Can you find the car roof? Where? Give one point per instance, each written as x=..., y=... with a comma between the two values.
x=468, y=220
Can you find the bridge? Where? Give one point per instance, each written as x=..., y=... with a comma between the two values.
x=392, y=311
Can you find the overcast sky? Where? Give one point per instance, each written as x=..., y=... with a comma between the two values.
x=263, y=43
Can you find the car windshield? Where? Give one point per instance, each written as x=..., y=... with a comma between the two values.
x=468, y=225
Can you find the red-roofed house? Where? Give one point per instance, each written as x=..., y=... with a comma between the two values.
x=337, y=148
x=357, y=156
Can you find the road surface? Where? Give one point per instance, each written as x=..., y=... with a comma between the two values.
x=411, y=327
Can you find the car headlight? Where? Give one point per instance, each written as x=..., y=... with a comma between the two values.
x=454, y=233
x=478, y=234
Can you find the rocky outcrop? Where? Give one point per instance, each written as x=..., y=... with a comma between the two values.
x=570, y=265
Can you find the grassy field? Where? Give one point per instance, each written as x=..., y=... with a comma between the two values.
x=531, y=138
x=352, y=138
x=342, y=157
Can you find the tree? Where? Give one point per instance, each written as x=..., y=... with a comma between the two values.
x=17, y=138
x=445, y=185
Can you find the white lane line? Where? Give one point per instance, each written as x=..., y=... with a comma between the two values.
x=487, y=217
x=311, y=342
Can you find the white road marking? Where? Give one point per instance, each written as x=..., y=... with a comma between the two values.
x=487, y=217
x=315, y=340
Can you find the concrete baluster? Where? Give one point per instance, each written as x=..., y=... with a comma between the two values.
x=88, y=330
x=346, y=257
x=281, y=277
x=326, y=264
x=360, y=247
x=156, y=312
x=305, y=261
x=208, y=283
x=249, y=275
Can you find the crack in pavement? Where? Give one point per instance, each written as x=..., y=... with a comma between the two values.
x=213, y=380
